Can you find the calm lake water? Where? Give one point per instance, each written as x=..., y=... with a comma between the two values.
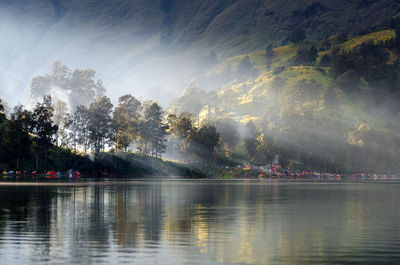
x=200, y=222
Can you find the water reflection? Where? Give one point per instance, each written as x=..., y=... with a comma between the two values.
x=200, y=222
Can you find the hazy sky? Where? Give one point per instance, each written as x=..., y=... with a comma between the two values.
x=127, y=57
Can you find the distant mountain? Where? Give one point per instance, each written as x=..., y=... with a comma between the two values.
x=221, y=24
x=152, y=48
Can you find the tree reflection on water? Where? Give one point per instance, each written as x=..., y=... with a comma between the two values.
x=208, y=222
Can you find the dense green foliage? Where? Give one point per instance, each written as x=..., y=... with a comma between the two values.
x=328, y=105
x=191, y=142
x=19, y=151
x=96, y=138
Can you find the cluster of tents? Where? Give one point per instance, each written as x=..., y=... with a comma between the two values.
x=276, y=171
x=70, y=174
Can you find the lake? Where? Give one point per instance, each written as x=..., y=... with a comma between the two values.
x=200, y=222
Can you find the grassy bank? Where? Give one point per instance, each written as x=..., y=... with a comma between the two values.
x=118, y=165
x=133, y=165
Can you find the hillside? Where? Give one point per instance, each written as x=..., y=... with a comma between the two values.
x=301, y=77
x=340, y=106
x=130, y=42
x=250, y=99
x=229, y=24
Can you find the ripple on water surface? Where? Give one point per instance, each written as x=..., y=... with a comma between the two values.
x=188, y=222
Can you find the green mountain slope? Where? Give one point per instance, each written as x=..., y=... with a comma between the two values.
x=228, y=24
x=340, y=115
x=131, y=41
x=252, y=97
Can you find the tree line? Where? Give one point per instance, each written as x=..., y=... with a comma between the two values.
x=94, y=127
x=293, y=127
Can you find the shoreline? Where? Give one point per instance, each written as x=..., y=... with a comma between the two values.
x=110, y=182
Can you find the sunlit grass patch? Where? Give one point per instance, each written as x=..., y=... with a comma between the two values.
x=294, y=74
x=383, y=35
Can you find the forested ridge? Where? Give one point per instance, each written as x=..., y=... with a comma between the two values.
x=148, y=43
x=328, y=105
